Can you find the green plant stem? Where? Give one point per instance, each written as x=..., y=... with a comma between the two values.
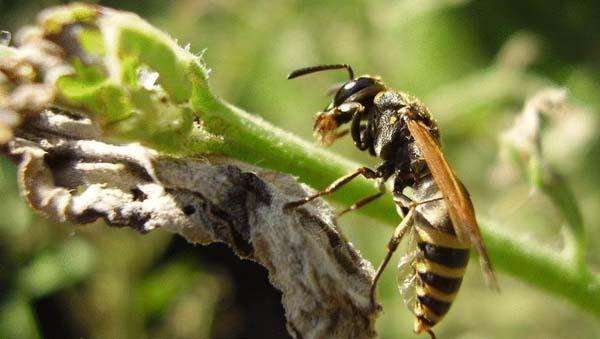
x=543, y=268
x=253, y=140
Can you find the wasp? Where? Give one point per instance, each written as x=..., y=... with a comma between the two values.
x=437, y=213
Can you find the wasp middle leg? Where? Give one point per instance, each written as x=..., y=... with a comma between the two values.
x=364, y=201
x=364, y=171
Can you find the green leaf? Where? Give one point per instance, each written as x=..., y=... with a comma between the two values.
x=17, y=318
x=58, y=268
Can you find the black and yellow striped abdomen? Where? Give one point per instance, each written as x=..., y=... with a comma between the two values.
x=439, y=267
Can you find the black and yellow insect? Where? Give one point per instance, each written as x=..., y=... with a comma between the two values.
x=437, y=211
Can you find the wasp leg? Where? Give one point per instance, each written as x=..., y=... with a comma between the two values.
x=422, y=202
x=338, y=135
x=399, y=233
x=364, y=171
x=342, y=133
x=364, y=201
x=404, y=202
x=431, y=334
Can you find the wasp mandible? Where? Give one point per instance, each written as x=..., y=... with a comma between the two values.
x=438, y=216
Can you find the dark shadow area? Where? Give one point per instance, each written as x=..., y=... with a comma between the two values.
x=53, y=315
x=254, y=299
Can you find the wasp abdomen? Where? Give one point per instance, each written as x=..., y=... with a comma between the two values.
x=445, y=256
x=439, y=266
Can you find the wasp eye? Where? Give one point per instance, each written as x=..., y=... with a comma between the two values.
x=350, y=88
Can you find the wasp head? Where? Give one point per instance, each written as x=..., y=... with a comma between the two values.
x=348, y=99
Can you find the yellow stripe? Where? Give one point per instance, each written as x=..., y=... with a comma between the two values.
x=423, y=266
x=426, y=290
x=422, y=310
x=419, y=327
x=440, y=238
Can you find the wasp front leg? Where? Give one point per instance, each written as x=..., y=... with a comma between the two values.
x=360, y=134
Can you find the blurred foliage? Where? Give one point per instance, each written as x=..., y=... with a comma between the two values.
x=473, y=63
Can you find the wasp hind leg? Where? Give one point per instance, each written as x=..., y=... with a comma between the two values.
x=364, y=201
x=399, y=233
x=364, y=171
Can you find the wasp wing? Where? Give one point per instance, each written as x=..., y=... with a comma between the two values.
x=457, y=199
x=406, y=276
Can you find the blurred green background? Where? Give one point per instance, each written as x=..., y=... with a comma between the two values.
x=473, y=63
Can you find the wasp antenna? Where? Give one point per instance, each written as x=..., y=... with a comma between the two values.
x=319, y=68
